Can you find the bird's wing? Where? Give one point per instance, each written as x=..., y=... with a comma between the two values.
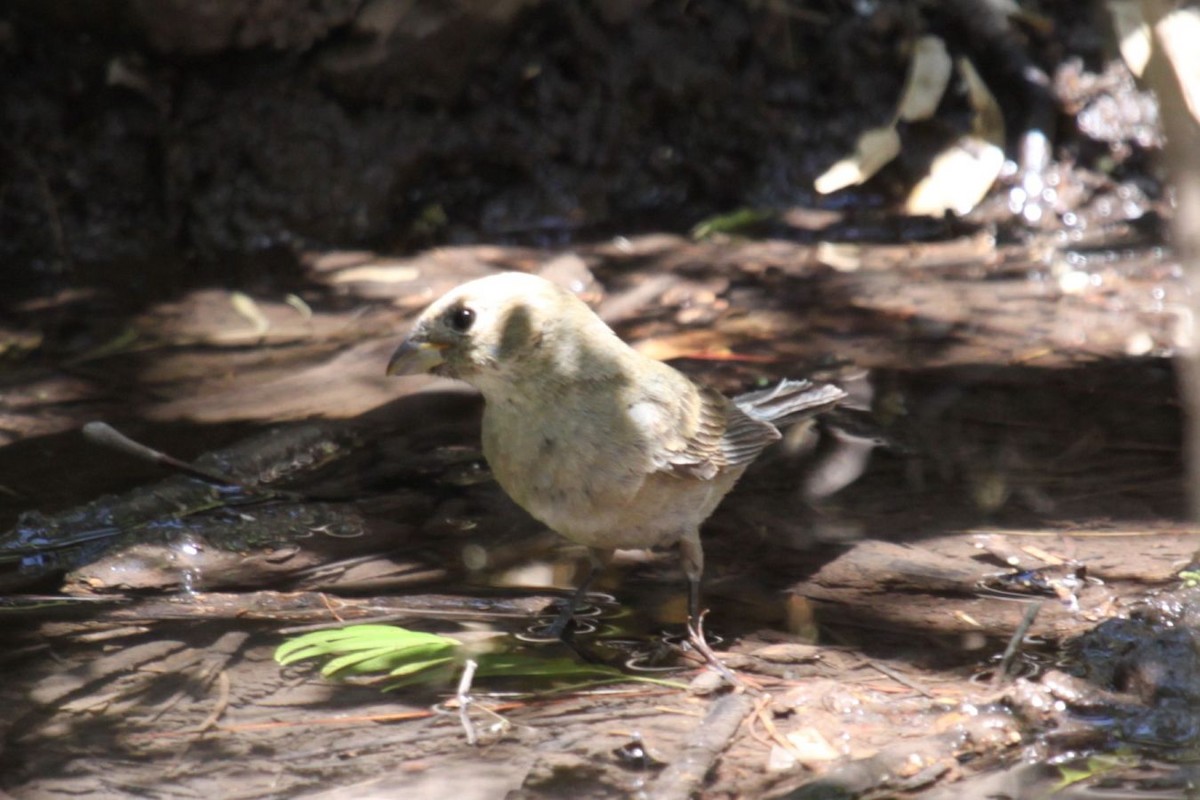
x=722, y=436
x=790, y=401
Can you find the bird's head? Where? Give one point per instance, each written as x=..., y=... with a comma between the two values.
x=495, y=326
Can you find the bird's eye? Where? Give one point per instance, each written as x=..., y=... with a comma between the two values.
x=461, y=319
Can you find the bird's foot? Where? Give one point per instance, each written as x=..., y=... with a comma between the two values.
x=564, y=624
x=695, y=629
x=576, y=616
x=562, y=629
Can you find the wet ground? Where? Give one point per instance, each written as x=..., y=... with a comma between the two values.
x=864, y=592
x=980, y=583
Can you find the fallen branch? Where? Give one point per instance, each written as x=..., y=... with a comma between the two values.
x=685, y=775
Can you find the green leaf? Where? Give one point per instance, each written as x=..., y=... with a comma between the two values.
x=358, y=643
x=383, y=659
x=430, y=672
x=733, y=222
x=532, y=666
x=418, y=657
x=417, y=666
x=1094, y=767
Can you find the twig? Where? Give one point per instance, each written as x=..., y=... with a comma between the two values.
x=752, y=731
x=102, y=433
x=897, y=677
x=685, y=775
x=329, y=605
x=762, y=715
x=223, y=690
x=1010, y=652
x=464, y=701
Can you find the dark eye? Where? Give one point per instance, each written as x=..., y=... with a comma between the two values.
x=461, y=319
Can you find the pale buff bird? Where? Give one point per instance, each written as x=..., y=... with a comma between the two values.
x=607, y=447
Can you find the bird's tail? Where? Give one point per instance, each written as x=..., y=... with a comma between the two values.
x=790, y=401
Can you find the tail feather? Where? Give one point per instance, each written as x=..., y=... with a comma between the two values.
x=790, y=401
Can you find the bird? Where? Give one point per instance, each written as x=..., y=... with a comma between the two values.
x=606, y=446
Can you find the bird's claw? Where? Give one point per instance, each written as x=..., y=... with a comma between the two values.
x=695, y=630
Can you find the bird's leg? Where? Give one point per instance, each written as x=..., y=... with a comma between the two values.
x=693, y=567
x=559, y=627
x=598, y=560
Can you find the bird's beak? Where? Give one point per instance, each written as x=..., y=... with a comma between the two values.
x=415, y=357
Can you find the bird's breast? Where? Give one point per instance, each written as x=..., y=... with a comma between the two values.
x=586, y=471
x=562, y=459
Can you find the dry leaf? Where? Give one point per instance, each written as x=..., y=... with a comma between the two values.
x=958, y=179
x=988, y=122
x=1133, y=34
x=810, y=746
x=875, y=148
x=961, y=175
x=297, y=302
x=246, y=308
x=1179, y=34
x=844, y=257
x=701, y=343
x=928, y=76
x=377, y=273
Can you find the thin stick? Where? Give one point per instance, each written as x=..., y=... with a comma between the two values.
x=103, y=434
x=897, y=677
x=223, y=691
x=1010, y=652
x=684, y=776
x=464, y=701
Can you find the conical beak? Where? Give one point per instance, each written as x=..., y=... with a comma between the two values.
x=414, y=357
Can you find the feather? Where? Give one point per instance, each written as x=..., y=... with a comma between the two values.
x=724, y=437
x=790, y=401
